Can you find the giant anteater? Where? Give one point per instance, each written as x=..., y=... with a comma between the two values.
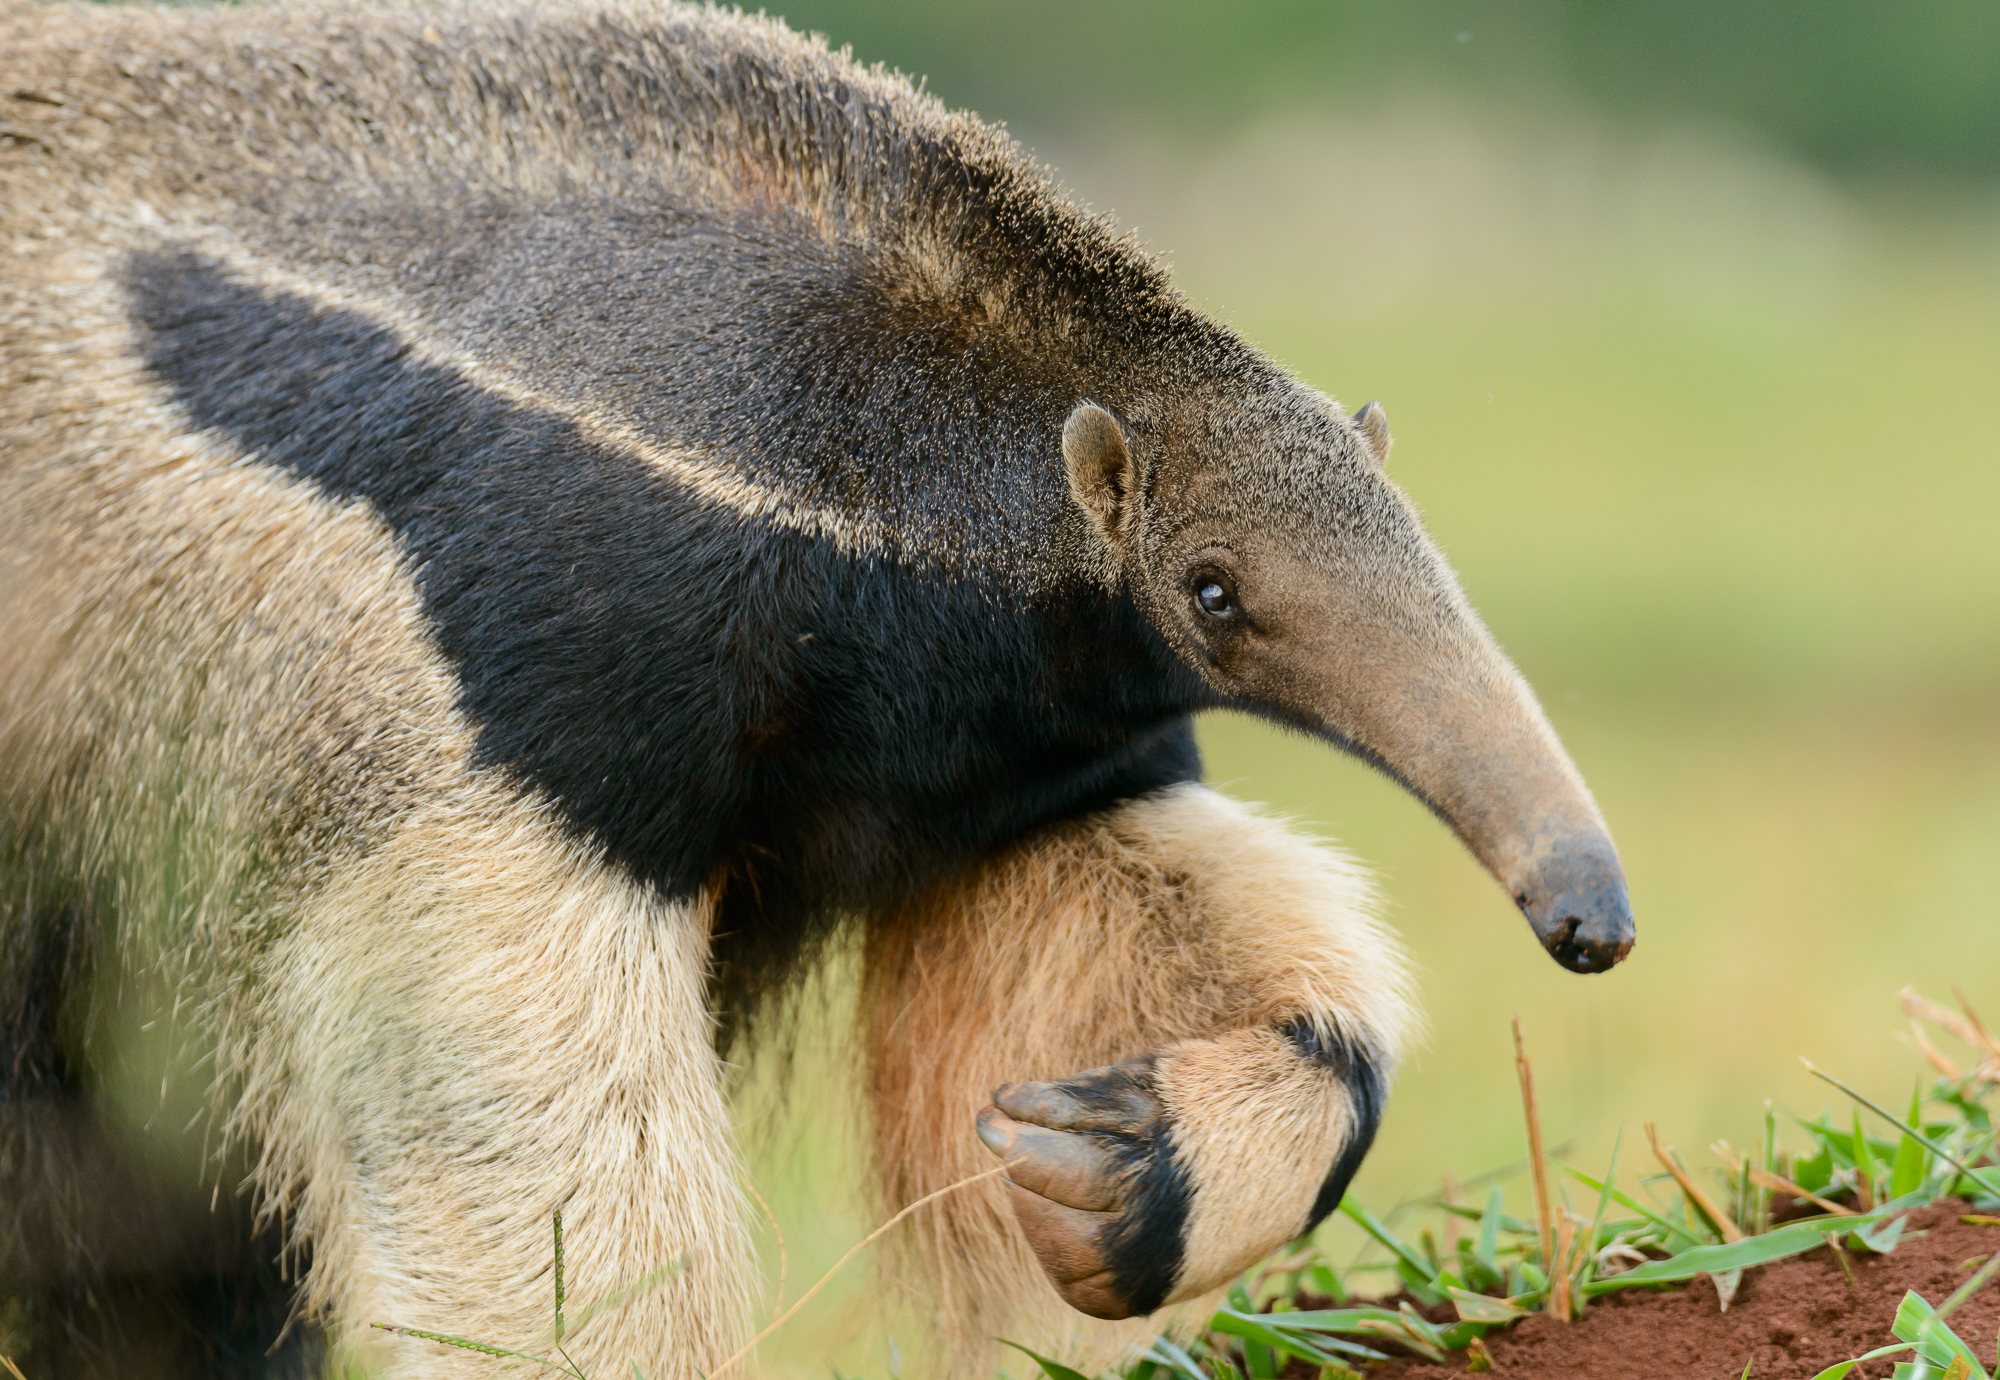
x=518, y=523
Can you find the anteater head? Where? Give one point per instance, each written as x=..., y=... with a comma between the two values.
x=1258, y=531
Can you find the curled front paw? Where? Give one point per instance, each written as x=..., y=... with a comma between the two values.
x=1095, y=1184
x=1149, y=1183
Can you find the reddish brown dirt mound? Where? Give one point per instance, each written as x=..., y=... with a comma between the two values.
x=1790, y=1319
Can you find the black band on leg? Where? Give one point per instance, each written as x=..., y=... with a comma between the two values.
x=1358, y=1068
x=1145, y=1249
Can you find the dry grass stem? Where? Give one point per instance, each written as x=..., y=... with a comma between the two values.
x=1777, y=1183
x=1544, y=1217
x=1559, y=1299
x=12, y=1369
x=852, y=1251
x=1986, y=1040
x=777, y=1302
x=1932, y=1055
x=1965, y=1025
x=1704, y=1204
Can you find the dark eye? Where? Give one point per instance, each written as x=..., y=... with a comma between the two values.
x=1213, y=597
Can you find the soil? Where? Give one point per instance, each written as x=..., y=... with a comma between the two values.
x=1790, y=1319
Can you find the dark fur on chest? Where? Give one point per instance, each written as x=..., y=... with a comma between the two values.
x=707, y=697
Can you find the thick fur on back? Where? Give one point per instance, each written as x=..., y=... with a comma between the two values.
x=795, y=336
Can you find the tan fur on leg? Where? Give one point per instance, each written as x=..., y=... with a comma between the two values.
x=437, y=1016
x=1182, y=922
x=471, y=1029
x=1258, y=1127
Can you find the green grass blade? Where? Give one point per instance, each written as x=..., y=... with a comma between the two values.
x=1883, y=1236
x=1839, y=1372
x=1795, y=1239
x=1489, y=1229
x=1055, y=1370
x=1327, y=1281
x=1165, y=1353
x=1371, y=1224
x=467, y=1344
x=1588, y=1269
x=1814, y=1172
x=1864, y=1162
x=1908, y=1170
x=1483, y=1308
x=1508, y=1222
x=1668, y=1225
x=1919, y=1323
x=559, y=1277
x=1331, y=1319
x=1318, y=1351
x=1905, y=1128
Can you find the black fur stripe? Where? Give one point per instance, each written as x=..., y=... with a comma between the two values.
x=703, y=695
x=1367, y=1091
x=1144, y=1249
x=43, y=967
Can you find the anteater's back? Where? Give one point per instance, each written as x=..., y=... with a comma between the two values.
x=680, y=220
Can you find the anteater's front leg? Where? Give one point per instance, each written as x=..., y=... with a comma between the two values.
x=474, y=1026
x=1173, y=1021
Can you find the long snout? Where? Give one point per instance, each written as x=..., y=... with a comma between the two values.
x=1461, y=729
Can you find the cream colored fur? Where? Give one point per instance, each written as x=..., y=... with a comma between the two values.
x=438, y=1018
x=1259, y=1128
x=474, y=1027
x=1182, y=923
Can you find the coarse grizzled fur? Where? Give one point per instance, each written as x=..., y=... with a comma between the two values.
x=514, y=522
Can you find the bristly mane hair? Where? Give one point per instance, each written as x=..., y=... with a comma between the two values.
x=712, y=385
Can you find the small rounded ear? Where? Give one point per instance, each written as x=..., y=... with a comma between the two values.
x=1102, y=477
x=1373, y=424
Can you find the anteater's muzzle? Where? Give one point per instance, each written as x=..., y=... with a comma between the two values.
x=1575, y=900
x=1465, y=735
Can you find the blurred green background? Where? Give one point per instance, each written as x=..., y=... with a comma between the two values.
x=1687, y=320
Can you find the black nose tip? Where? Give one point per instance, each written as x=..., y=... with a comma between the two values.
x=1580, y=952
x=1579, y=908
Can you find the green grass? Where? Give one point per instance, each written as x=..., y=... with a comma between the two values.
x=1586, y=1238
x=1493, y=1268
